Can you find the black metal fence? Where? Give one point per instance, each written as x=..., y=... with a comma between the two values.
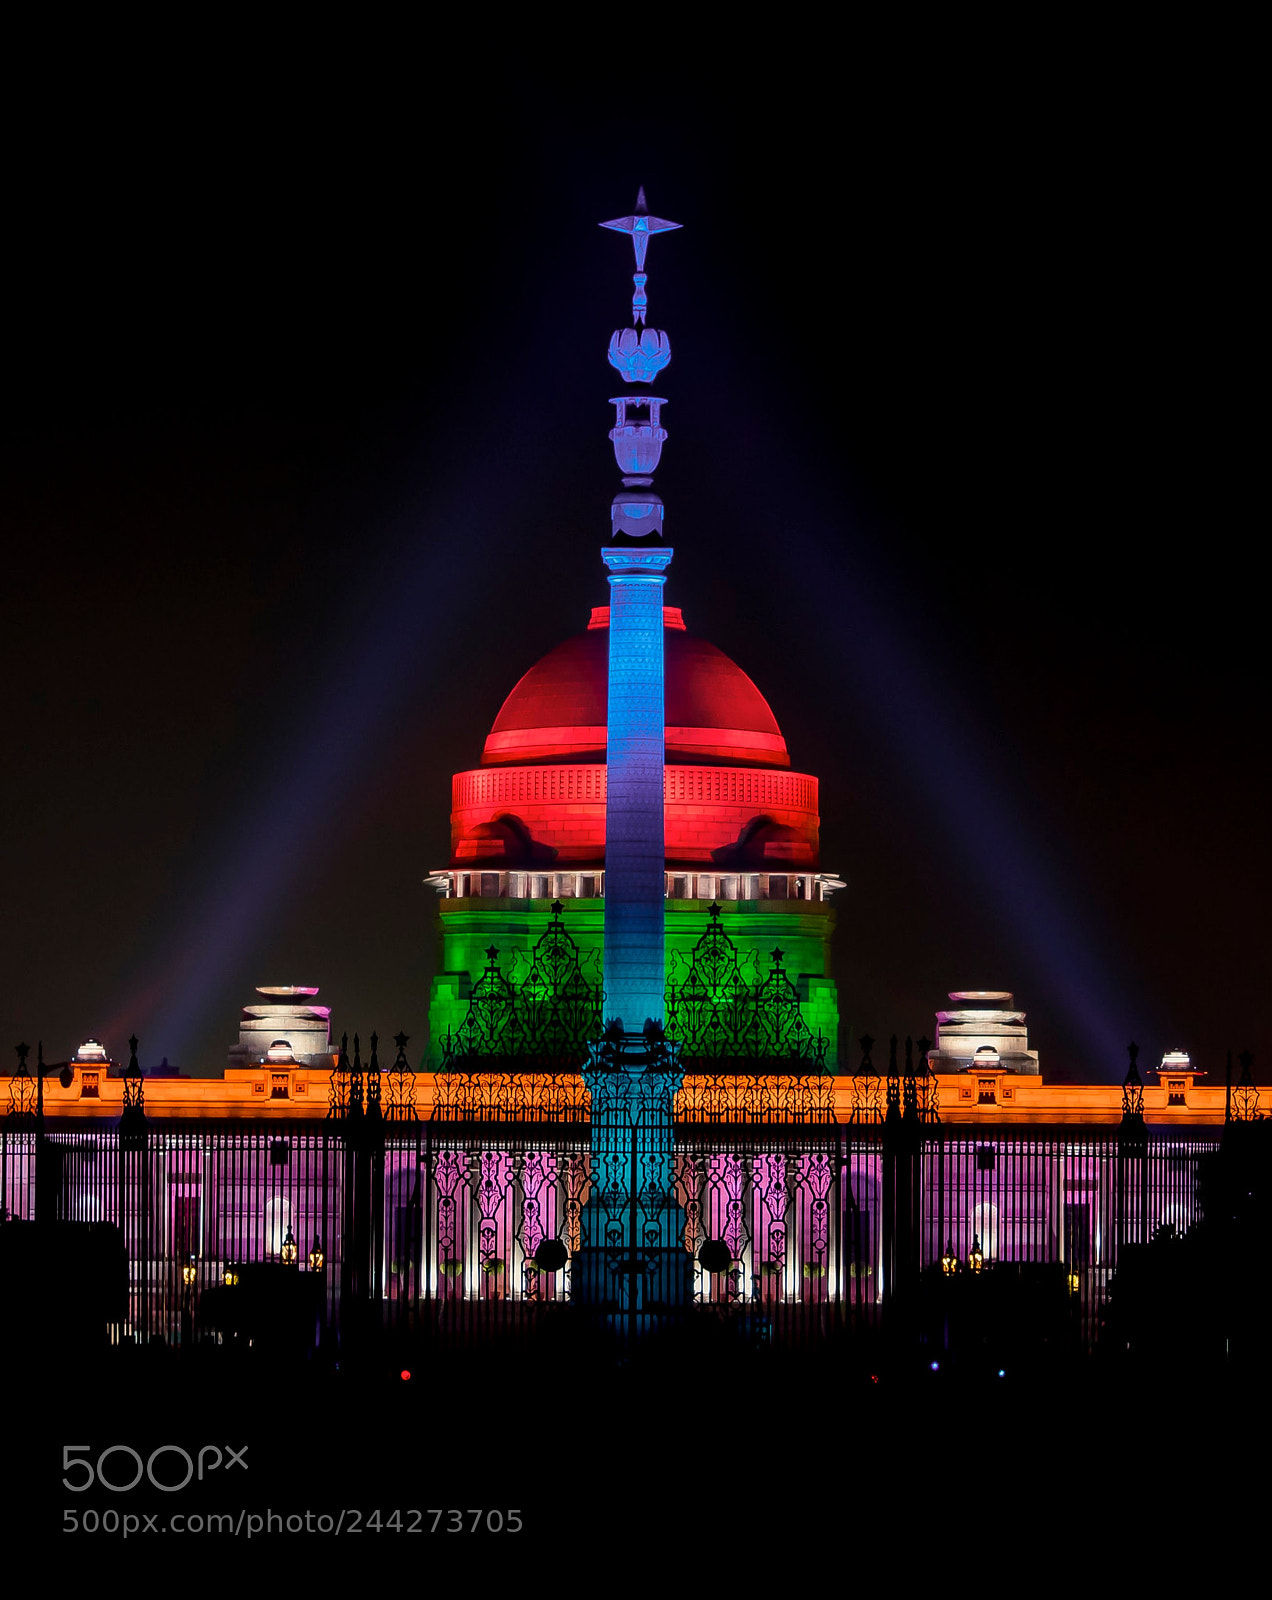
x=474, y=1231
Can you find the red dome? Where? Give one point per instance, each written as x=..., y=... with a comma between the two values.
x=714, y=712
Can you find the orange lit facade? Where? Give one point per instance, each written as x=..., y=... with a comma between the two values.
x=988, y=1100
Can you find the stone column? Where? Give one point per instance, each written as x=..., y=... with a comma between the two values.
x=634, y=969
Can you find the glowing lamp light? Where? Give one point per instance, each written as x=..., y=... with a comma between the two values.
x=290, y=1253
x=405, y=1375
x=1075, y=1283
x=316, y=1256
x=975, y=1259
x=190, y=1272
x=949, y=1261
x=90, y=1050
x=230, y=1277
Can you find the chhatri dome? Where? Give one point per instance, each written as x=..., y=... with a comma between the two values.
x=578, y=736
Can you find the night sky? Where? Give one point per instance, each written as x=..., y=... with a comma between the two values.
x=305, y=462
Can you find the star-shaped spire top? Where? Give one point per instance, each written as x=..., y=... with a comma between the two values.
x=642, y=228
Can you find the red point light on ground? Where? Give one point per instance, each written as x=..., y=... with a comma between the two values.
x=405, y=1375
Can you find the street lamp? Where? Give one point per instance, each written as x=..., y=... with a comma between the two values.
x=289, y=1255
x=316, y=1256
x=190, y=1272
x=949, y=1261
x=975, y=1260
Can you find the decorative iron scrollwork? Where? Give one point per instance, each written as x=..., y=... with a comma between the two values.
x=134, y=1082
x=22, y=1089
x=929, y=1088
x=726, y=1023
x=715, y=1098
x=867, y=1091
x=345, y=1089
x=748, y=1054
x=1245, y=1097
x=401, y=1081
x=517, y=1055
x=1132, y=1091
x=510, y=1096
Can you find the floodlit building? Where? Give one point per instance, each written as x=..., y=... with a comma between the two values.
x=633, y=1056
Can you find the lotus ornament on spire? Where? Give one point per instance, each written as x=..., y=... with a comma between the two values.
x=640, y=357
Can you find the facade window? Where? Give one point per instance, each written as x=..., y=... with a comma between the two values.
x=89, y=1089
x=985, y=1227
x=588, y=888
x=278, y=1215
x=680, y=888
x=490, y=885
x=185, y=1226
x=1174, y=1091
x=278, y=1086
x=986, y=1095
x=777, y=888
x=465, y=886
x=706, y=888
x=540, y=889
x=1077, y=1232
x=728, y=888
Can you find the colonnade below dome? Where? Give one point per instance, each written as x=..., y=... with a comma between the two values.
x=589, y=884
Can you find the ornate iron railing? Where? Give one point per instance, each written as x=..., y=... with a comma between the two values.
x=538, y=1021
x=727, y=1020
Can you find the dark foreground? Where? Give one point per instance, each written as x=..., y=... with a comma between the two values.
x=835, y=1464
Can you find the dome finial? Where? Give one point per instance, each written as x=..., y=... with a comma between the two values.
x=642, y=227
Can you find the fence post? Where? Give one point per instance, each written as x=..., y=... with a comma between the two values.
x=373, y=1158
x=891, y=1144
x=1132, y=1158
x=134, y=1187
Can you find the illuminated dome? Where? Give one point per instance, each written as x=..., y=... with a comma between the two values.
x=537, y=802
x=714, y=713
